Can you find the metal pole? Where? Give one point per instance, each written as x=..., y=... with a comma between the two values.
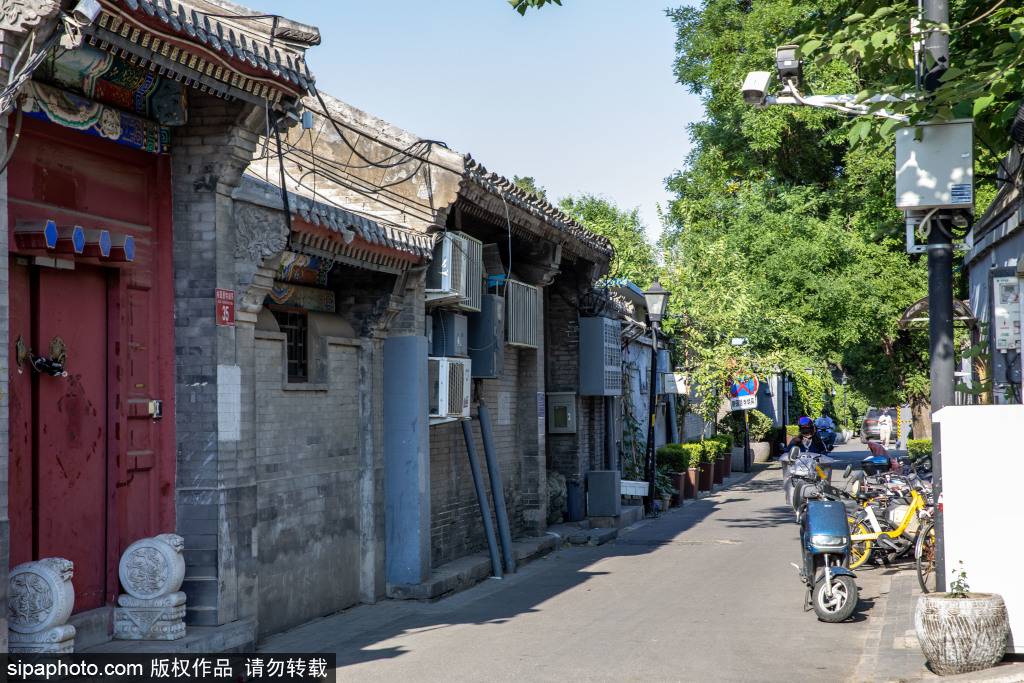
x=940, y=286
x=481, y=498
x=940, y=346
x=497, y=491
x=650, y=464
x=746, y=444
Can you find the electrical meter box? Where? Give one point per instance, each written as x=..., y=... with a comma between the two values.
x=937, y=170
x=487, y=337
x=561, y=412
x=450, y=334
x=1006, y=313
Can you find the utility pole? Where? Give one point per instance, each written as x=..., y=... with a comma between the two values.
x=940, y=285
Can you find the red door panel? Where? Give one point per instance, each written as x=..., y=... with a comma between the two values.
x=72, y=430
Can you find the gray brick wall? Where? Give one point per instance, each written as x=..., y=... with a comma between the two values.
x=307, y=488
x=215, y=490
x=456, y=527
x=572, y=455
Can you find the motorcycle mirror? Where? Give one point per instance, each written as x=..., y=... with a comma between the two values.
x=849, y=468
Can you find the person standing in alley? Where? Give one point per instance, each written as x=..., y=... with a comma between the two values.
x=884, y=427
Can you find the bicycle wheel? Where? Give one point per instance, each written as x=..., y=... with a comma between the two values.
x=860, y=551
x=925, y=554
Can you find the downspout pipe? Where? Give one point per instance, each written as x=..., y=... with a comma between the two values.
x=481, y=497
x=497, y=492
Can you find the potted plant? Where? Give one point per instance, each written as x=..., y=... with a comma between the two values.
x=690, y=482
x=675, y=458
x=960, y=631
x=663, y=487
x=717, y=453
x=724, y=442
x=705, y=471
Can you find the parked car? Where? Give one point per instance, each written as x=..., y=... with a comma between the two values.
x=869, y=425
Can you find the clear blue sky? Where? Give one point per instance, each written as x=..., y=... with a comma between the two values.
x=581, y=97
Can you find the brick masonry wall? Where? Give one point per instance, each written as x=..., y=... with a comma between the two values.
x=215, y=490
x=456, y=527
x=567, y=453
x=307, y=488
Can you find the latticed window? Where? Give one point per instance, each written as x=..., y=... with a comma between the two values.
x=295, y=326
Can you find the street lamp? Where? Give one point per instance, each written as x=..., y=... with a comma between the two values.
x=656, y=298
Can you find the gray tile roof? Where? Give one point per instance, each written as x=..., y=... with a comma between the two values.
x=532, y=204
x=345, y=223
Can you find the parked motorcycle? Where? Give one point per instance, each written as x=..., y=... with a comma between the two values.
x=825, y=544
x=800, y=471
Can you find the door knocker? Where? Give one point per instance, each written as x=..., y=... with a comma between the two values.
x=54, y=365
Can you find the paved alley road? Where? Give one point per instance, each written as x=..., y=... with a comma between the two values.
x=705, y=593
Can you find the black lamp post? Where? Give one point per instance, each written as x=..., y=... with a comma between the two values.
x=656, y=298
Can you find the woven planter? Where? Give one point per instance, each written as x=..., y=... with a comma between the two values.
x=960, y=635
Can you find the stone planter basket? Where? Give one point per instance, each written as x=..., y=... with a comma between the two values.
x=960, y=635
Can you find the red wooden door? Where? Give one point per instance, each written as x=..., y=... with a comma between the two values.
x=64, y=422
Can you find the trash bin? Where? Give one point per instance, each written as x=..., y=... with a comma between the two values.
x=574, y=500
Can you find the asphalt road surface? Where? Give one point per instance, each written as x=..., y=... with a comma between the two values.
x=704, y=593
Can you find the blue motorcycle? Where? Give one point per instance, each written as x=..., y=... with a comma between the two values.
x=825, y=541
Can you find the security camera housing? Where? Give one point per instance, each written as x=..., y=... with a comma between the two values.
x=755, y=87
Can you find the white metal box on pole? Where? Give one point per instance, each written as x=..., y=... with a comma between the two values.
x=937, y=170
x=982, y=479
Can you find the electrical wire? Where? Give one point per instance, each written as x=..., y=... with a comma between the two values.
x=406, y=153
x=284, y=189
x=15, y=81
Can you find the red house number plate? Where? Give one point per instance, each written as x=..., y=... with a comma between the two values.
x=225, y=307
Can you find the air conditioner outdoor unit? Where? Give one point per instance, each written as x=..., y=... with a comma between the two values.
x=600, y=357
x=523, y=306
x=474, y=273
x=450, y=386
x=446, y=276
x=455, y=276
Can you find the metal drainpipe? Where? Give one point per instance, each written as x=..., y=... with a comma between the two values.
x=497, y=492
x=481, y=497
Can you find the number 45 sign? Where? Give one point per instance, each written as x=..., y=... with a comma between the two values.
x=225, y=307
x=744, y=394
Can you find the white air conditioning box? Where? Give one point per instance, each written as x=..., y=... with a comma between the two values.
x=450, y=387
x=937, y=170
x=455, y=275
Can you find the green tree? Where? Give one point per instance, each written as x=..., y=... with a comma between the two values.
x=634, y=255
x=781, y=232
x=877, y=39
x=528, y=184
x=522, y=5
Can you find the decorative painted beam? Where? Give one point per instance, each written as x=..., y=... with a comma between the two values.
x=122, y=249
x=35, y=235
x=70, y=239
x=97, y=244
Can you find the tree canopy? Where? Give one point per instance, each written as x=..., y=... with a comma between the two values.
x=783, y=229
x=635, y=257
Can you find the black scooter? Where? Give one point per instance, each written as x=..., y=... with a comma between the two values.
x=825, y=543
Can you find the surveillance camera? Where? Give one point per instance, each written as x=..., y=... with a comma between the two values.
x=755, y=87
x=789, y=67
